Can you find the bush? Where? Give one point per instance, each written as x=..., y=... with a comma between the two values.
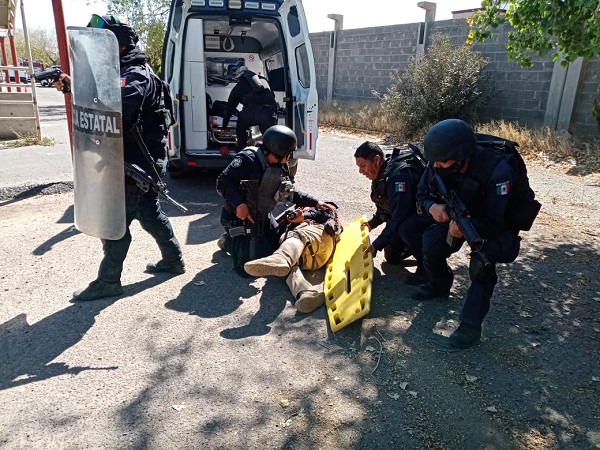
x=447, y=83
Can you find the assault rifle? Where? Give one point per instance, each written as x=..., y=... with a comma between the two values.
x=145, y=182
x=458, y=213
x=258, y=228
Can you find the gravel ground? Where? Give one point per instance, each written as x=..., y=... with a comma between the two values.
x=211, y=360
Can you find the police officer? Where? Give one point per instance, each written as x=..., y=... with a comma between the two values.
x=451, y=148
x=394, y=183
x=259, y=106
x=266, y=163
x=140, y=93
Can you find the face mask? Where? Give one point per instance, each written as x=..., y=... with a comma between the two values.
x=446, y=172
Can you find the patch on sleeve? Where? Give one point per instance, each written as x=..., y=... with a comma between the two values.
x=400, y=186
x=237, y=162
x=503, y=188
x=123, y=83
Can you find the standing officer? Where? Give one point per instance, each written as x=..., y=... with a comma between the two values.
x=141, y=97
x=259, y=106
x=394, y=183
x=451, y=148
x=267, y=165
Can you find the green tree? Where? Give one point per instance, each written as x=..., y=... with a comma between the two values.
x=149, y=19
x=568, y=28
x=43, y=45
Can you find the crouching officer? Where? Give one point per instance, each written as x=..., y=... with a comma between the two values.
x=451, y=148
x=252, y=185
x=394, y=181
x=308, y=243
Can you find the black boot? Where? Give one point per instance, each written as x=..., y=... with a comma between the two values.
x=177, y=267
x=417, y=278
x=428, y=292
x=98, y=289
x=465, y=336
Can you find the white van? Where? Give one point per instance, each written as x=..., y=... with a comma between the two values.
x=206, y=41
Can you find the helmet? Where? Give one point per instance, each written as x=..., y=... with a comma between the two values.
x=239, y=71
x=279, y=140
x=126, y=36
x=449, y=139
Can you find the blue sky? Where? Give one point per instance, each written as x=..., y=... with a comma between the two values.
x=357, y=13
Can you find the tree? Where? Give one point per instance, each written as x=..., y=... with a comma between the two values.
x=149, y=19
x=569, y=28
x=43, y=45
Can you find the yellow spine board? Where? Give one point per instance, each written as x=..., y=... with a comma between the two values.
x=349, y=277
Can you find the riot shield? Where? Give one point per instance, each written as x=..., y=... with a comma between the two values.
x=99, y=178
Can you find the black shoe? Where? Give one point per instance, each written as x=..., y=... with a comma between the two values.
x=161, y=266
x=429, y=293
x=417, y=278
x=224, y=242
x=98, y=289
x=464, y=336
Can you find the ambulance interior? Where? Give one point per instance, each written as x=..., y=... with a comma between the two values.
x=228, y=44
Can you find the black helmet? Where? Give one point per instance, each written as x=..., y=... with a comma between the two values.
x=126, y=36
x=449, y=139
x=279, y=140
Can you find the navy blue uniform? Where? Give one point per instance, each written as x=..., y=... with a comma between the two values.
x=259, y=108
x=394, y=193
x=487, y=203
x=247, y=166
x=140, y=205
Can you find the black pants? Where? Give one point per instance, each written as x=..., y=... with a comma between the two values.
x=144, y=207
x=411, y=235
x=263, y=116
x=504, y=248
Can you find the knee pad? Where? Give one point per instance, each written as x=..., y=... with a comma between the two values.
x=480, y=274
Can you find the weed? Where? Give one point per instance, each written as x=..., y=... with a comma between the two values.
x=27, y=139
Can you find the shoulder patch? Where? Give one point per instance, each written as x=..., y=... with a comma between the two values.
x=400, y=186
x=503, y=188
x=237, y=162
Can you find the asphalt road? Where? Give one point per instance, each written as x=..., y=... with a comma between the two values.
x=212, y=360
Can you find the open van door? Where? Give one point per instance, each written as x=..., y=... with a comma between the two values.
x=305, y=102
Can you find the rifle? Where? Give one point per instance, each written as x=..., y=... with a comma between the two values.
x=256, y=229
x=458, y=213
x=145, y=182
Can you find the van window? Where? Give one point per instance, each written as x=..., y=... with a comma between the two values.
x=303, y=66
x=171, y=58
x=222, y=68
x=293, y=22
x=177, y=14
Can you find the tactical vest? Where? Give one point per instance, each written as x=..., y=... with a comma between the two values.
x=259, y=95
x=273, y=183
x=522, y=207
x=395, y=162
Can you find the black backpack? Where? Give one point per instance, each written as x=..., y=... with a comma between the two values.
x=523, y=208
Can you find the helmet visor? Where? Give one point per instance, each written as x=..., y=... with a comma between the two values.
x=98, y=22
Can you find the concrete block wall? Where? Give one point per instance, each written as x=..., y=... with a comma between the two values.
x=589, y=90
x=365, y=58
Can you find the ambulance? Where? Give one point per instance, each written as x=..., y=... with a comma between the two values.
x=205, y=42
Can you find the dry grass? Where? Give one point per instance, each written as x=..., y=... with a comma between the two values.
x=568, y=154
